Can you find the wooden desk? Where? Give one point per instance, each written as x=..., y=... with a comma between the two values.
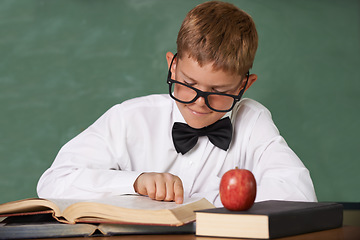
x=344, y=233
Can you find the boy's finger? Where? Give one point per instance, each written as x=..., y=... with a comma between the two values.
x=170, y=196
x=139, y=185
x=160, y=186
x=178, y=191
x=151, y=189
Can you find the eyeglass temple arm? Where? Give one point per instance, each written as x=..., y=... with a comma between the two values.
x=169, y=73
x=243, y=90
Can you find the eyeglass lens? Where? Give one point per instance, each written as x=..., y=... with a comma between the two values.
x=187, y=95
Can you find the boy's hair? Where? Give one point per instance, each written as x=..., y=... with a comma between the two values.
x=219, y=33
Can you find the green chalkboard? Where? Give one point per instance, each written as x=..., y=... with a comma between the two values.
x=64, y=63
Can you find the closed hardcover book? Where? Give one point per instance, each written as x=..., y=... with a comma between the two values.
x=45, y=226
x=269, y=219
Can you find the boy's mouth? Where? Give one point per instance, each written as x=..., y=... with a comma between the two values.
x=196, y=112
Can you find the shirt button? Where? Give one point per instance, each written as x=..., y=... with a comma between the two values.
x=190, y=163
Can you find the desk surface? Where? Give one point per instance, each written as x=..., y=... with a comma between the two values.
x=344, y=233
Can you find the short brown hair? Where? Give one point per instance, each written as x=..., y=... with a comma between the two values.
x=219, y=33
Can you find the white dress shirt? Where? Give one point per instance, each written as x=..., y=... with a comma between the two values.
x=135, y=137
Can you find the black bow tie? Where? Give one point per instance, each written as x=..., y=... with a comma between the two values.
x=185, y=137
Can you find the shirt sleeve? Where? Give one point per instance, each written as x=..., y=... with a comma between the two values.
x=279, y=173
x=94, y=164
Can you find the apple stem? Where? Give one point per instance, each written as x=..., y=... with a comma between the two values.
x=236, y=167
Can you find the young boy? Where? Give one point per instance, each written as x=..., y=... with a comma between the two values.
x=144, y=146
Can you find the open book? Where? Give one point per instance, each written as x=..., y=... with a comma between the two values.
x=129, y=209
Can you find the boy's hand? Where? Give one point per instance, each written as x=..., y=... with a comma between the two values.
x=160, y=186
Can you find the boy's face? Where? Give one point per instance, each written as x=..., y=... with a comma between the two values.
x=188, y=71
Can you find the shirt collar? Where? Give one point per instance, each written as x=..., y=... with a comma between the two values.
x=177, y=116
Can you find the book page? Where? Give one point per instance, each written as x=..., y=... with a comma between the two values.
x=115, y=229
x=131, y=201
x=26, y=206
x=64, y=203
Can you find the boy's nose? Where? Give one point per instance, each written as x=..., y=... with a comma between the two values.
x=200, y=101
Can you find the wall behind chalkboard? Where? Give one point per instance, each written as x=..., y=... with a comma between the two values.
x=64, y=63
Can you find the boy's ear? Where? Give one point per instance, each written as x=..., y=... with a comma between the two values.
x=252, y=79
x=169, y=57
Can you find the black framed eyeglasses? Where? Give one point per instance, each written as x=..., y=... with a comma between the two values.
x=218, y=102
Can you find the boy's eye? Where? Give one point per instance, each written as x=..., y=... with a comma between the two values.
x=188, y=83
x=218, y=91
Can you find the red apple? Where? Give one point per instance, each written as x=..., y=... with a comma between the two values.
x=238, y=189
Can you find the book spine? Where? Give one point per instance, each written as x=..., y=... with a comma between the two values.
x=306, y=221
